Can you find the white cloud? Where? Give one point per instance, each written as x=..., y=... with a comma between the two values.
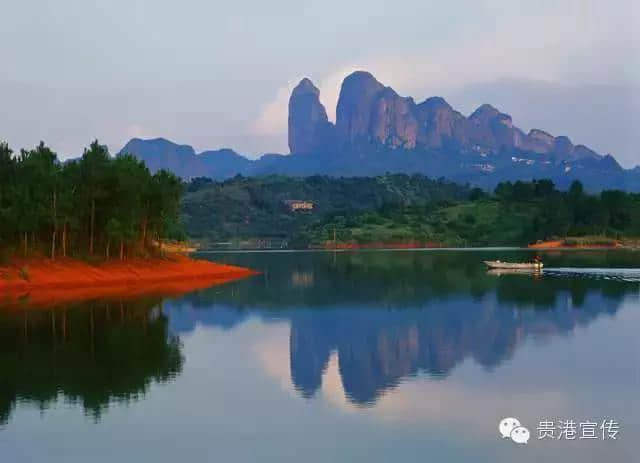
x=272, y=119
x=138, y=131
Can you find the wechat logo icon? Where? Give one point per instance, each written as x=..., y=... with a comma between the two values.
x=511, y=428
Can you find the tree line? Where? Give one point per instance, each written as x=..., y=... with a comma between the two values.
x=401, y=208
x=97, y=205
x=612, y=213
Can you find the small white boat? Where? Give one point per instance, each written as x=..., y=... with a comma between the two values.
x=531, y=266
x=514, y=271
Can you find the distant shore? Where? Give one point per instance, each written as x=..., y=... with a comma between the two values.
x=555, y=245
x=586, y=243
x=381, y=245
x=71, y=279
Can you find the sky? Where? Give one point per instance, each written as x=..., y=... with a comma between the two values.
x=216, y=74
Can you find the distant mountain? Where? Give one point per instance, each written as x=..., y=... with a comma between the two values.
x=159, y=153
x=378, y=131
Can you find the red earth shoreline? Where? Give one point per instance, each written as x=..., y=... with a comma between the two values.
x=63, y=280
x=561, y=244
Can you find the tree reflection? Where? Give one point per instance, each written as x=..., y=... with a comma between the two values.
x=386, y=316
x=92, y=354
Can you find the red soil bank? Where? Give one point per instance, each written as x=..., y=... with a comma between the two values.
x=46, y=281
x=559, y=244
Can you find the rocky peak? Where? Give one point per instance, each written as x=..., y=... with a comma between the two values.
x=537, y=141
x=434, y=103
x=370, y=113
x=484, y=114
x=492, y=129
x=306, y=86
x=563, y=150
x=358, y=94
x=541, y=135
x=562, y=145
x=308, y=122
x=609, y=162
x=439, y=123
x=393, y=122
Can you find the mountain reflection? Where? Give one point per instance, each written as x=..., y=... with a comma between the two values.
x=92, y=354
x=383, y=316
x=392, y=316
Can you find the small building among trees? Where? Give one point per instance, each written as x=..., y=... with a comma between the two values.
x=295, y=205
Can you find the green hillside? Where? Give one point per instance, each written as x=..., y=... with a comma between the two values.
x=256, y=209
x=253, y=212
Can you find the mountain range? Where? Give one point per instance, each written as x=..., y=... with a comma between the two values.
x=378, y=131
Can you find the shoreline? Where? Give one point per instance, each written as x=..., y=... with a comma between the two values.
x=173, y=274
x=567, y=244
x=544, y=246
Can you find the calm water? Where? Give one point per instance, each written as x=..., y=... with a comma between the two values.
x=370, y=356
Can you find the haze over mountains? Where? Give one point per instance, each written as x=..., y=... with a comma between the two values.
x=378, y=131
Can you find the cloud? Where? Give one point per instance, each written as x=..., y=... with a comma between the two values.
x=329, y=87
x=272, y=118
x=138, y=131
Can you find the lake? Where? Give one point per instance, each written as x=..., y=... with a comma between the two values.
x=325, y=357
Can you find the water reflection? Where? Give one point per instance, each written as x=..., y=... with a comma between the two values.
x=381, y=317
x=391, y=316
x=91, y=354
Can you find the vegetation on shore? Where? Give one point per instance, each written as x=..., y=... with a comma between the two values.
x=396, y=209
x=95, y=206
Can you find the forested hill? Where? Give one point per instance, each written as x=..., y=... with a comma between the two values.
x=257, y=212
x=259, y=208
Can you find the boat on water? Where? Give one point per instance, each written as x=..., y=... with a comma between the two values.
x=529, y=266
x=514, y=271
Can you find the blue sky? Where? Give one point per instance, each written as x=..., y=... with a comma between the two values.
x=216, y=74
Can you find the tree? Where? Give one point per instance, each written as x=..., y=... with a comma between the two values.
x=7, y=181
x=163, y=201
x=129, y=183
x=576, y=189
x=93, y=166
x=544, y=188
x=477, y=194
x=504, y=190
x=34, y=205
x=69, y=209
x=523, y=191
x=618, y=204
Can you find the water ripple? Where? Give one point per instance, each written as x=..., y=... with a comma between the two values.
x=619, y=274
